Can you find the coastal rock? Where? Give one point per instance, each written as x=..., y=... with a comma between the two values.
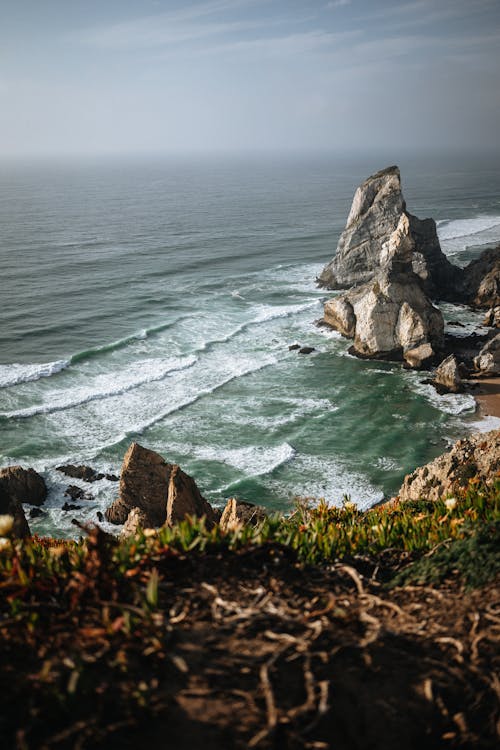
x=160, y=490
x=240, y=513
x=482, y=280
x=136, y=520
x=492, y=317
x=487, y=361
x=475, y=456
x=377, y=209
x=18, y=486
x=184, y=499
x=447, y=376
x=307, y=350
x=76, y=493
x=87, y=473
x=23, y=485
x=145, y=476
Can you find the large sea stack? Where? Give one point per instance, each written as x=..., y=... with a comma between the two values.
x=376, y=212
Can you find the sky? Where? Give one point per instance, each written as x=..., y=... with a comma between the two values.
x=153, y=76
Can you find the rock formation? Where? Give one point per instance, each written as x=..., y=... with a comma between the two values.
x=481, y=287
x=239, y=513
x=18, y=486
x=447, y=376
x=161, y=491
x=487, y=361
x=377, y=209
x=87, y=473
x=492, y=317
x=475, y=456
x=390, y=317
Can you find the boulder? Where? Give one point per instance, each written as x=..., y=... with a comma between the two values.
x=482, y=280
x=23, y=485
x=447, y=376
x=240, y=513
x=87, y=473
x=136, y=520
x=377, y=209
x=475, y=456
x=492, y=317
x=160, y=490
x=390, y=317
x=76, y=493
x=307, y=350
x=487, y=361
x=184, y=499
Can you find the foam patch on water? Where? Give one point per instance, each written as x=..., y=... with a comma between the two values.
x=252, y=460
x=457, y=235
x=387, y=464
x=449, y=403
x=485, y=424
x=16, y=374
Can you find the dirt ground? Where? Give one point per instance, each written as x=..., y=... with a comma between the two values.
x=252, y=650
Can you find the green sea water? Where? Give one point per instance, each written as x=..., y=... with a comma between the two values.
x=156, y=301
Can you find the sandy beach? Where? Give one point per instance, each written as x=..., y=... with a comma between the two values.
x=488, y=396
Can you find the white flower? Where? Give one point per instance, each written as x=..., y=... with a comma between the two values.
x=6, y=524
x=4, y=544
x=148, y=533
x=375, y=528
x=451, y=503
x=350, y=506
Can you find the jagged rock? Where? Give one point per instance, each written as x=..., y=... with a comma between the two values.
x=377, y=209
x=482, y=280
x=240, y=513
x=478, y=455
x=76, y=493
x=492, y=317
x=136, y=520
x=143, y=484
x=70, y=506
x=37, y=513
x=184, y=499
x=390, y=317
x=447, y=376
x=23, y=485
x=307, y=350
x=487, y=361
x=162, y=491
x=87, y=473
x=293, y=347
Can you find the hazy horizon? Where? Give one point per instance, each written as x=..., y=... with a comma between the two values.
x=248, y=76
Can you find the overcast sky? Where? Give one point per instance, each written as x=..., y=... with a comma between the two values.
x=85, y=76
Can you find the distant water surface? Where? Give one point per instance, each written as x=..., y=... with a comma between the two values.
x=156, y=300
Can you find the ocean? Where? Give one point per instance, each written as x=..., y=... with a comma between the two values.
x=156, y=299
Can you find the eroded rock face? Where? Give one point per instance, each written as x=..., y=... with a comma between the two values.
x=184, y=499
x=492, y=317
x=447, y=376
x=482, y=280
x=377, y=209
x=478, y=455
x=487, y=361
x=160, y=491
x=240, y=513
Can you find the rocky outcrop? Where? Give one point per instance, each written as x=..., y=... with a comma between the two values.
x=487, y=361
x=87, y=473
x=23, y=485
x=18, y=486
x=136, y=520
x=475, y=456
x=390, y=317
x=481, y=286
x=160, y=490
x=447, y=378
x=240, y=513
x=492, y=317
x=184, y=499
x=377, y=209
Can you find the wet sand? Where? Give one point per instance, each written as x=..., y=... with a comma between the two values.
x=488, y=396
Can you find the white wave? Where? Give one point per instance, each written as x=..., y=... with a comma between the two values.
x=106, y=386
x=458, y=228
x=317, y=477
x=253, y=460
x=18, y=373
x=449, y=403
x=387, y=464
x=485, y=424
